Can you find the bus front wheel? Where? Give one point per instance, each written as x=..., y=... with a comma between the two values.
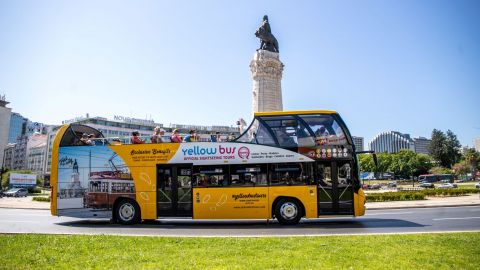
x=127, y=212
x=288, y=211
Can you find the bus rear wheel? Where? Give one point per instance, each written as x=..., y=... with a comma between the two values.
x=288, y=211
x=127, y=212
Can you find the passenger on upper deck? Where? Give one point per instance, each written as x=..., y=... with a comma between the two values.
x=157, y=135
x=176, y=138
x=191, y=137
x=136, y=138
x=84, y=140
x=215, y=137
x=321, y=132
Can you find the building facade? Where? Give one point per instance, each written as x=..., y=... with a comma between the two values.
x=391, y=142
x=18, y=127
x=5, y=114
x=358, y=142
x=421, y=145
x=36, y=156
x=477, y=144
x=8, y=155
x=394, y=141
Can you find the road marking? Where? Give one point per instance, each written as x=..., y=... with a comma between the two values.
x=389, y=213
x=19, y=221
x=453, y=218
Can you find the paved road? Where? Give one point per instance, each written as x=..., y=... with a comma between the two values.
x=408, y=220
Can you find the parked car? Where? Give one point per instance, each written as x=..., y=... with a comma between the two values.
x=477, y=185
x=392, y=185
x=16, y=192
x=427, y=185
x=448, y=185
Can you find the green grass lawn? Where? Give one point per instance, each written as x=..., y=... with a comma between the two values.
x=420, y=251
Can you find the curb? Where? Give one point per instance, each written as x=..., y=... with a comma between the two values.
x=423, y=206
x=25, y=208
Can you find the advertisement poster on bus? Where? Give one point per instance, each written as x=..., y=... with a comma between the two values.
x=203, y=153
x=90, y=178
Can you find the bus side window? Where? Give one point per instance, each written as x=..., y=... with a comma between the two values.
x=324, y=175
x=291, y=174
x=249, y=175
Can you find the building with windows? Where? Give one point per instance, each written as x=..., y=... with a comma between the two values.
x=421, y=145
x=19, y=156
x=5, y=114
x=394, y=141
x=391, y=142
x=358, y=142
x=8, y=155
x=477, y=144
x=36, y=156
x=18, y=127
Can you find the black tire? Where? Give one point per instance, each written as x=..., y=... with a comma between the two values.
x=288, y=211
x=127, y=212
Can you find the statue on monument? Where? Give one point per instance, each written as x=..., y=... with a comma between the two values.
x=268, y=41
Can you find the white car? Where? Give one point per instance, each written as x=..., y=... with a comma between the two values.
x=447, y=185
x=477, y=185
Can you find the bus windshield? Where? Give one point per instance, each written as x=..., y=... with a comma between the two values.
x=290, y=131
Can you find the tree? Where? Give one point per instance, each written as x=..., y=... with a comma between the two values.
x=472, y=157
x=366, y=163
x=452, y=148
x=423, y=164
x=404, y=163
x=384, y=162
x=445, y=149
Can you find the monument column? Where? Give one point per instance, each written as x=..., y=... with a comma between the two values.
x=267, y=72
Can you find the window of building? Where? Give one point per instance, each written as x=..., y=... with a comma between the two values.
x=291, y=174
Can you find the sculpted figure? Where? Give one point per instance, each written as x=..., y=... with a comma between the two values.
x=267, y=39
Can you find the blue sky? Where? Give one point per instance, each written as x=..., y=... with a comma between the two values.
x=409, y=66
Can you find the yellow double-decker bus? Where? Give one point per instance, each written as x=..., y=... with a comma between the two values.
x=285, y=166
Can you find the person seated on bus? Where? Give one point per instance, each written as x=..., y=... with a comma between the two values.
x=322, y=132
x=136, y=138
x=94, y=140
x=176, y=138
x=85, y=140
x=191, y=137
x=157, y=135
x=215, y=137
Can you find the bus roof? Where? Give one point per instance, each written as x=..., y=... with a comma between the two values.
x=295, y=112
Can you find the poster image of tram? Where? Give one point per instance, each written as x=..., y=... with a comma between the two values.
x=91, y=177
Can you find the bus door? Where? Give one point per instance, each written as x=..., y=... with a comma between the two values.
x=335, y=190
x=174, y=190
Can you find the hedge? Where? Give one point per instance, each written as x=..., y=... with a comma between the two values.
x=395, y=196
x=41, y=199
x=418, y=194
x=449, y=191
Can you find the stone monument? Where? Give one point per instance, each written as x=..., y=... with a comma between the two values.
x=267, y=72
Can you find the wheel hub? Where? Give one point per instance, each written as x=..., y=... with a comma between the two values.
x=126, y=211
x=288, y=211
